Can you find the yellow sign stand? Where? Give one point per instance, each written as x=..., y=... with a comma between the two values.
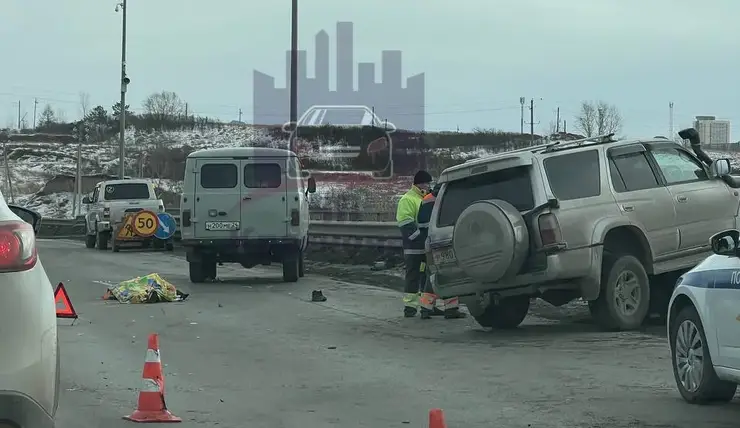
x=126, y=231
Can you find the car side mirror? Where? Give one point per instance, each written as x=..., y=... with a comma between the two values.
x=719, y=168
x=725, y=243
x=86, y=200
x=29, y=216
x=311, y=185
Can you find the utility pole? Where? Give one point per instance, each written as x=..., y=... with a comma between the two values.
x=531, y=119
x=19, y=116
x=124, y=85
x=293, y=73
x=521, y=102
x=240, y=115
x=565, y=127
x=557, y=122
x=186, y=111
x=35, y=105
x=670, y=121
x=8, y=179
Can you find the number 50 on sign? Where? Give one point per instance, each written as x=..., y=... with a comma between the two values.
x=146, y=223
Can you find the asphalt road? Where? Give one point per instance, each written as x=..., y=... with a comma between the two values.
x=254, y=352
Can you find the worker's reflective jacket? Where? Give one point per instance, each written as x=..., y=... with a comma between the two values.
x=425, y=216
x=406, y=215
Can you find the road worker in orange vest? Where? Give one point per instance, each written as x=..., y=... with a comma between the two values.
x=429, y=301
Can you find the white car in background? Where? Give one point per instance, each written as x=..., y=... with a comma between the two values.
x=704, y=324
x=29, y=355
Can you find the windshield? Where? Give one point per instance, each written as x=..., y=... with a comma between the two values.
x=346, y=117
x=115, y=192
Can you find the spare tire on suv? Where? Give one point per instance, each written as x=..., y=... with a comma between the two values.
x=490, y=240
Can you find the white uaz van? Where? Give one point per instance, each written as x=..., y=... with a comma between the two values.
x=246, y=205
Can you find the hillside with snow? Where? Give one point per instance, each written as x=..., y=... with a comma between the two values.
x=33, y=163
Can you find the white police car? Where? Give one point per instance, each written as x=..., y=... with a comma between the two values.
x=704, y=324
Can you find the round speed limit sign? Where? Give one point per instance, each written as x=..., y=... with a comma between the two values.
x=146, y=223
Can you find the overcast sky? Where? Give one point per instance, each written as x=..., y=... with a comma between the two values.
x=479, y=56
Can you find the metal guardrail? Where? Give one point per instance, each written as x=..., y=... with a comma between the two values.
x=352, y=233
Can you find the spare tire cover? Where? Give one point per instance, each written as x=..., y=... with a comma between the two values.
x=490, y=240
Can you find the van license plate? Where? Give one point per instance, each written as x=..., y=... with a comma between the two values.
x=222, y=225
x=443, y=257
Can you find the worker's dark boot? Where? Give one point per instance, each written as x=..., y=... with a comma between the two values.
x=426, y=314
x=454, y=314
x=409, y=312
x=437, y=312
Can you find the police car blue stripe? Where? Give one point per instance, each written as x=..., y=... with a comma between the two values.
x=717, y=278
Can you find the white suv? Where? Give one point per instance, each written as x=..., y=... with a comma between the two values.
x=29, y=356
x=614, y=222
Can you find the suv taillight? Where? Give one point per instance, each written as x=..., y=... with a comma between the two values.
x=549, y=230
x=185, y=218
x=295, y=217
x=17, y=246
x=106, y=212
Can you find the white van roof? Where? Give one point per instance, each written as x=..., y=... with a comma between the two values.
x=241, y=152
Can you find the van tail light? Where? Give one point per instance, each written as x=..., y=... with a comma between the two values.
x=17, y=246
x=185, y=218
x=295, y=217
x=550, y=233
x=106, y=212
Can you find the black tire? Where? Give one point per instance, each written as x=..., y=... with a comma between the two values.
x=102, y=241
x=197, y=271
x=146, y=243
x=605, y=310
x=301, y=265
x=291, y=269
x=710, y=388
x=169, y=246
x=211, y=269
x=507, y=314
x=90, y=241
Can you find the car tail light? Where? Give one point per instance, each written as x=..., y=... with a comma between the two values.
x=185, y=218
x=106, y=212
x=17, y=246
x=295, y=217
x=549, y=230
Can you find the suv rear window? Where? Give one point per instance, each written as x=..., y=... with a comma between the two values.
x=263, y=175
x=117, y=192
x=574, y=175
x=219, y=176
x=512, y=185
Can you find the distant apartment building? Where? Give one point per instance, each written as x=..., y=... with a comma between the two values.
x=712, y=131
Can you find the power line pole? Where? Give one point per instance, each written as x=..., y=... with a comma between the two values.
x=522, y=101
x=186, y=111
x=35, y=105
x=531, y=119
x=124, y=85
x=293, y=73
x=557, y=122
x=670, y=120
x=19, y=115
x=240, y=115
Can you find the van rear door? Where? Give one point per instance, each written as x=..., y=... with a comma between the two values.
x=264, y=208
x=217, y=193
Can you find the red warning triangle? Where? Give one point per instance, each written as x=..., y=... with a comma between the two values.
x=63, y=304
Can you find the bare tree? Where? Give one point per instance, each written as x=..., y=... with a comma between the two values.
x=47, y=117
x=84, y=103
x=164, y=105
x=598, y=118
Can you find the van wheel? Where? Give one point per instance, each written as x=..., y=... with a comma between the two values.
x=169, y=246
x=197, y=272
x=291, y=267
x=301, y=265
x=624, y=299
x=507, y=314
x=90, y=241
x=102, y=241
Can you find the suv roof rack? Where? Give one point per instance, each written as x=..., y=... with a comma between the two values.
x=561, y=144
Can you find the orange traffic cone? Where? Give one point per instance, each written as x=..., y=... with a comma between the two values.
x=437, y=419
x=151, y=406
